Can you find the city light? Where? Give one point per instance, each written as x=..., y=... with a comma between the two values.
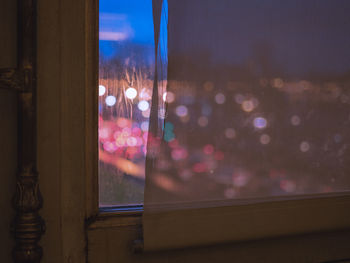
x=304, y=146
x=110, y=100
x=295, y=120
x=181, y=111
x=220, y=98
x=131, y=93
x=260, y=123
x=101, y=90
x=143, y=105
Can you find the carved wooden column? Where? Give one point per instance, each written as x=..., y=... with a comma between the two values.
x=27, y=226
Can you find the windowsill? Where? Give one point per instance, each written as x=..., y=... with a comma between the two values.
x=132, y=215
x=116, y=217
x=130, y=219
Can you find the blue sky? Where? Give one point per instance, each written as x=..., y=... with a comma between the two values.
x=303, y=34
x=125, y=20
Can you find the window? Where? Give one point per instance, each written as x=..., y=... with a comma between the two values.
x=263, y=112
x=67, y=128
x=255, y=107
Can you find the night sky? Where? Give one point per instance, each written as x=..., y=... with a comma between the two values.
x=302, y=35
x=131, y=18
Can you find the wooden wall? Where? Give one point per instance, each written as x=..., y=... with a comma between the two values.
x=8, y=127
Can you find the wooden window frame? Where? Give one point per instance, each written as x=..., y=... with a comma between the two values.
x=300, y=204
x=105, y=218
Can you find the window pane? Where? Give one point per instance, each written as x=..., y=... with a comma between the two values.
x=125, y=91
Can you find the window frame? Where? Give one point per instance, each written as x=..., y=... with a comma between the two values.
x=105, y=218
x=67, y=160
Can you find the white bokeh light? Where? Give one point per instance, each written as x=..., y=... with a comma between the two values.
x=110, y=100
x=101, y=90
x=168, y=97
x=143, y=105
x=131, y=93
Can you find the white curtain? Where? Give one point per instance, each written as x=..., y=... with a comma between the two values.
x=257, y=108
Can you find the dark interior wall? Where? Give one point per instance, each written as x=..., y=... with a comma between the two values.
x=8, y=127
x=8, y=30
x=48, y=127
x=8, y=169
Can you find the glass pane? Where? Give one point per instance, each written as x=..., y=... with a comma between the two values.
x=125, y=90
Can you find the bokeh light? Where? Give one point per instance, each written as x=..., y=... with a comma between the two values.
x=295, y=120
x=208, y=149
x=181, y=111
x=248, y=105
x=143, y=105
x=260, y=123
x=101, y=90
x=304, y=146
x=220, y=98
x=110, y=100
x=265, y=139
x=168, y=97
x=131, y=93
x=277, y=83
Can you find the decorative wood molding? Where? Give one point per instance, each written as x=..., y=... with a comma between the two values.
x=27, y=226
x=10, y=79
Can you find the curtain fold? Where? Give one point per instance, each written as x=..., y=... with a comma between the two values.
x=155, y=130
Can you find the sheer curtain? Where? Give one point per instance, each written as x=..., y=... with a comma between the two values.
x=257, y=111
